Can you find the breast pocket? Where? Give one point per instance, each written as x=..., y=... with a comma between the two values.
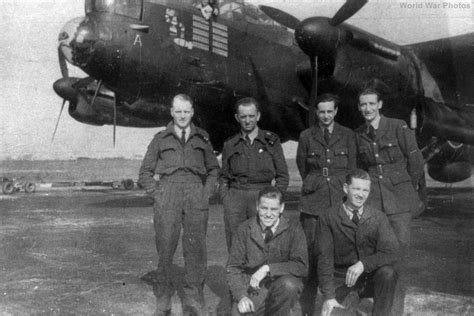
x=237, y=162
x=313, y=159
x=198, y=153
x=341, y=157
x=170, y=154
x=265, y=163
x=390, y=150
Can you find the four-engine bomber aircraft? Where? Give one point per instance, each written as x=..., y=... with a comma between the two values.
x=138, y=54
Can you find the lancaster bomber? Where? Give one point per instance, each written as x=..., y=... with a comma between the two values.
x=138, y=54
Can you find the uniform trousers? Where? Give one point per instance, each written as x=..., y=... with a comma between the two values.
x=381, y=284
x=179, y=204
x=239, y=205
x=277, y=297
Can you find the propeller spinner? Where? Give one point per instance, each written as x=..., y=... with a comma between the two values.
x=317, y=37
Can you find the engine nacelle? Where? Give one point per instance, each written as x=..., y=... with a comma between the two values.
x=451, y=163
x=83, y=112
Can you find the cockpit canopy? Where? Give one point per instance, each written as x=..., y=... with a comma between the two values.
x=129, y=8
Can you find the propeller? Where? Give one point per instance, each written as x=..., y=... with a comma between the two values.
x=62, y=63
x=347, y=10
x=318, y=38
x=280, y=16
x=65, y=74
x=115, y=119
x=57, y=122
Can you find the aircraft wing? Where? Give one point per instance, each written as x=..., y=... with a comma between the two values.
x=451, y=63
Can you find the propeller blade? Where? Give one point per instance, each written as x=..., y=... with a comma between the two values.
x=346, y=11
x=115, y=119
x=99, y=85
x=83, y=82
x=314, y=91
x=279, y=16
x=57, y=122
x=62, y=63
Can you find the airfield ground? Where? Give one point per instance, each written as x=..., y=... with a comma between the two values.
x=77, y=251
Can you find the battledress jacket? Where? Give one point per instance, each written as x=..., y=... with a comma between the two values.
x=166, y=155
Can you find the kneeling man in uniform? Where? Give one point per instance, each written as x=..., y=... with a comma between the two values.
x=268, y=260
x=357, y=250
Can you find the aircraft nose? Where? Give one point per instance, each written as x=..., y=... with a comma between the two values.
x=66, y=37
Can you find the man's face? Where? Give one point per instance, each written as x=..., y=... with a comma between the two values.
x=357, y=192
x=326, y=112
x=182, y=113
x=369, y=106
x=269, y=211
x=247, y=116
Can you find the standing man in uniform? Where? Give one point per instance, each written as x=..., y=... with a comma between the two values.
x=326, y=153
x=183, y=158
x=251, y=160
x=387, y=149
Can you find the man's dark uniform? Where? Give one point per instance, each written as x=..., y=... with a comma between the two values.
x=342, y=243
x=188, y=174
x=285, y=254
x=395, y=165
x=323, y=167
x=246, y=169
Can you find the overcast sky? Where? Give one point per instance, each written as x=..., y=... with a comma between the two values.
x=29, y=66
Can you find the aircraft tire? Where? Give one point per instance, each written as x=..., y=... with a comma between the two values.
x=30, y=187
x=7, y=187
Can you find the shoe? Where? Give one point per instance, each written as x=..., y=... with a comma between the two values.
x=191, y=307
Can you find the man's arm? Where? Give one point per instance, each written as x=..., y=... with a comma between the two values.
x=224, y=177
x=325, y=254
x=301, y=153
x=212, y=168
x=282, y=178
x=148, y=167
x=297, y=264
x=352, y=151
x=236, y=277
x=409, y=147
x=387, y=247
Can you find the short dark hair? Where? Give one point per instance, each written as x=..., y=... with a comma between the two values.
x=183, y=97
x=328, y=97
x=357, y=174
x=370, y=90
x=245, y=102
x=270, y=192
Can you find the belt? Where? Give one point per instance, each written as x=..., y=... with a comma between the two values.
x=181, y=176
x=326, y=172
x=249, y=186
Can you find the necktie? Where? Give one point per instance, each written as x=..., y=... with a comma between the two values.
x=371, y=133
x=355, y=217
x=327, y=136
x=247, y=140
x=268, y=234
x=183, y=136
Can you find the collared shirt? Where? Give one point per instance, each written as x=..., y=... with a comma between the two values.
x=178, y=130
x=330, y=128
x=350, y=213
x=252, y=135
x=273, y=228
x=375, y=123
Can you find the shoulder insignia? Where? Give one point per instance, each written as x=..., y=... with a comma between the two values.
x=270, y=137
